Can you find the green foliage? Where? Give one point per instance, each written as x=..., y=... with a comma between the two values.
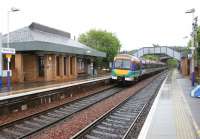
x=151, y=57
x=189, y=45
x=198, y=54
x=198, y=48
x=172, y=63
x=132, y=51
x=198, y=38
x=103, y=41
x=198, y=35
x=187, y=50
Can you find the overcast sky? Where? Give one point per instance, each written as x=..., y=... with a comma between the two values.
x=137, y=23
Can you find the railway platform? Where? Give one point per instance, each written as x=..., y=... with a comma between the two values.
x=174, y=113
x=22, y=89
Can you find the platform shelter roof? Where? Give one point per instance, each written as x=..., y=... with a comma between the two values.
x=37, y=37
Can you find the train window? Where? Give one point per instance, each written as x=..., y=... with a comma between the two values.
x=133, y=67
x=148, y=66
x=122, y=64
x=138, y=66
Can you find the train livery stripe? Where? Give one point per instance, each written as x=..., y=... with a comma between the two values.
x=121, y=72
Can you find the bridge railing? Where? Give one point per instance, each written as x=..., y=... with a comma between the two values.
x=158, y=50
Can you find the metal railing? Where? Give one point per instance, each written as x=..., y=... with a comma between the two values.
x=158, y=50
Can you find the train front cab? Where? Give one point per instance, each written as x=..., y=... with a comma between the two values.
x=128, y=73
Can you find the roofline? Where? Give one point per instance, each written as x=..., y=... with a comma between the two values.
x=80, y=51
x=44, y=28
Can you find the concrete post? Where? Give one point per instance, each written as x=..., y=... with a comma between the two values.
x=75, y=66
x=61, y=66
x=68, y=66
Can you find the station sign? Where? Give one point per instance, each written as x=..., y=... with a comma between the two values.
x=8, y=56
x=4, y=73
x=8, y=50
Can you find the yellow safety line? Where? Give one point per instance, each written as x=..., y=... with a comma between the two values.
x=184, y=128
x=196, y=127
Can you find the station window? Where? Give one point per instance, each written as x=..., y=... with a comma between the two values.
x=41, y=65
x=81, y=64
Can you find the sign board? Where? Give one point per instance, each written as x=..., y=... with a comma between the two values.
x=8, y=50
x=8, y=56
x=4, y=73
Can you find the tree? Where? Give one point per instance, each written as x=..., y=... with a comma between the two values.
x=172, y=63
x=103, y=41
x=198, y=47
x=189, y=45
x=151, y=57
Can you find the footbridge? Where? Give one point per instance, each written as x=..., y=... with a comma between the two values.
x=161, y=50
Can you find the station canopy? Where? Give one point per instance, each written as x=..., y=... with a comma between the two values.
x=36, y=37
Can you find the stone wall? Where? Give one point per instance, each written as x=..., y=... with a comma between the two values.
x=26, y=68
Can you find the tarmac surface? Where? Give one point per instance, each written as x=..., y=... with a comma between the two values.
x=174, y=114
x=18, y=88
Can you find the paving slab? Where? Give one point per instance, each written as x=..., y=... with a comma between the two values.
x=20, y=88
x=174, y=114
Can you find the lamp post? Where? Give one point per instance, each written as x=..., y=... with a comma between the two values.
x=194, y=34
x=8, y=56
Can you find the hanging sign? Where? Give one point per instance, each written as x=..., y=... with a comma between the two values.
x=4, y=73
x=8, y=56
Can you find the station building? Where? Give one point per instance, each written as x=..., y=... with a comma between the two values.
x=47, y=54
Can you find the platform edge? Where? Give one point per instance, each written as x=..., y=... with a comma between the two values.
x=147, y=123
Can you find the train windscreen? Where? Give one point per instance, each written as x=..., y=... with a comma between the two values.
x=122, y=64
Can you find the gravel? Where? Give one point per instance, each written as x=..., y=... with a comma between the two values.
x=18, y=115
x=68, y=128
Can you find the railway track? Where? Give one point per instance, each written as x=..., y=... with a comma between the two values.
x=25, y=127
x=121, y=120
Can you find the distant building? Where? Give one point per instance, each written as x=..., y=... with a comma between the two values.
x=47, y=54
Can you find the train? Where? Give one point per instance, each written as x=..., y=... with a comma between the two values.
x=129, y=68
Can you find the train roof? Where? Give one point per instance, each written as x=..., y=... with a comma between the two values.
x=146, y=61
x=137, y=60
x=127, y=56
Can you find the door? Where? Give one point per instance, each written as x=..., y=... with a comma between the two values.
x=41, y=66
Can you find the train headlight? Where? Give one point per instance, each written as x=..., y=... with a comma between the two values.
x=114, y=77
x=128, y=79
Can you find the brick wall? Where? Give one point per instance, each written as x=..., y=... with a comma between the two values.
x=184, y=66
x=30, y=67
